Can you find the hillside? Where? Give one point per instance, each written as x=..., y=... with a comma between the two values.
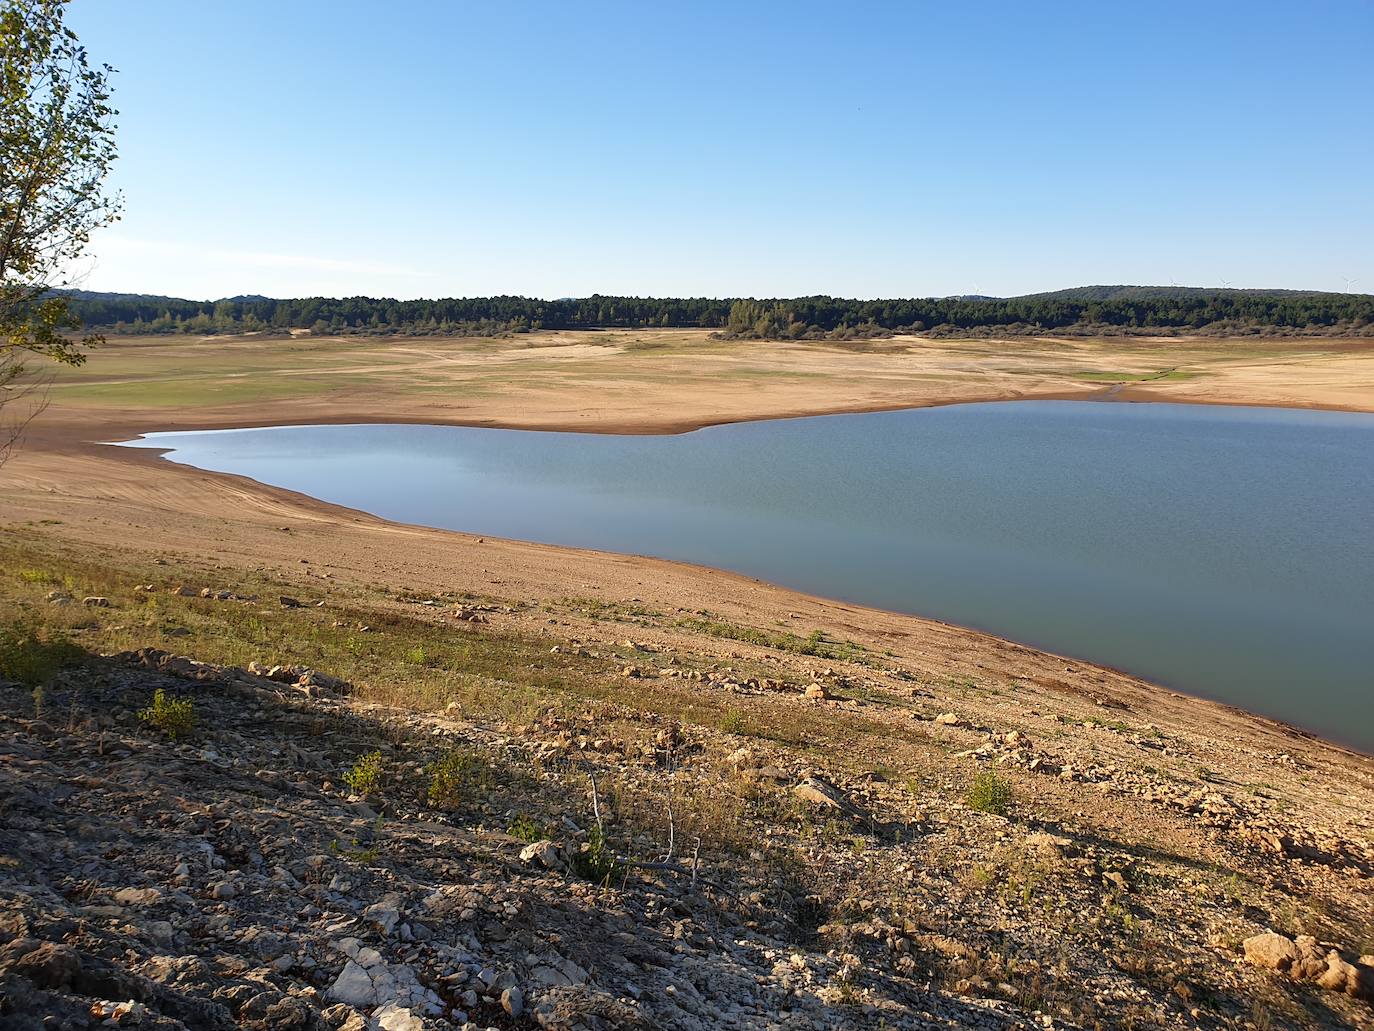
x=1151, y=293
x=317, y=804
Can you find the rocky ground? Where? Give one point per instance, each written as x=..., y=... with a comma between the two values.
x=282, y=853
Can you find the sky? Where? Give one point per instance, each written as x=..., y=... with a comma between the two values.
x=428, y=148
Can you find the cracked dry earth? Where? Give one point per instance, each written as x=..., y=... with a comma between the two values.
x=233, y=879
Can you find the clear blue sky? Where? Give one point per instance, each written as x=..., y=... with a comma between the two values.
x=861, y=149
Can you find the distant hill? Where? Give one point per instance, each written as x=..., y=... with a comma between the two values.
x=1152, y=293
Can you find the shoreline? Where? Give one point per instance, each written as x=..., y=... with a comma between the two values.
x=68, y=454
x=1127, y=395
x=695, y=568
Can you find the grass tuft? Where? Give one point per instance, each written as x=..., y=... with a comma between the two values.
x=990, y=793
x=175, y=717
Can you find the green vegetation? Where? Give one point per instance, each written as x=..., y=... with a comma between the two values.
x=455, y=774
x=990, y=793
x=56, y=146
x=596, y=861
x=32, y=655
x=175, y=717
x=734, y=722
x=364, y=777
x=818, y=317
x=814, y=644
x=526, y=829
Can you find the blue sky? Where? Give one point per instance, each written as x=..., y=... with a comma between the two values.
x=861, y=149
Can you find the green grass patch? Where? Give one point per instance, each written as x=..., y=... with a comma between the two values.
x=989, y=793
x=33, y=654
x=175, y=717
x=816, y=643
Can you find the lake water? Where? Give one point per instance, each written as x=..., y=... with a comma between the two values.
x=1227, y=552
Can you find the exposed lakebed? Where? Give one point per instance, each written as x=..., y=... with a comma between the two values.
x=1227, y=552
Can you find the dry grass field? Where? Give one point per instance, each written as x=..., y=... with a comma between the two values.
x=664, y=380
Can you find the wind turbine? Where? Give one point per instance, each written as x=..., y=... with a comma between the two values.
x=1349, y=283
x=1226, y=284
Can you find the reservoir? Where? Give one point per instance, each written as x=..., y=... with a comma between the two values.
x=1225, y=552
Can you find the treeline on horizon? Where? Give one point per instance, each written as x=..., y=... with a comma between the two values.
x=1096, y=309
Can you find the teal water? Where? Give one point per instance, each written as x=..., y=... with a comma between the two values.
x=1226, y=552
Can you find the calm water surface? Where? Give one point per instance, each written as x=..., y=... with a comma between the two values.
x=1228, y=552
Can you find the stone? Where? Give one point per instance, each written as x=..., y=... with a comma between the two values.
x=353, y=986
x=46, y=964
x=384, y=914
x=818, y=692
x=545, y=853
x=396, y=1018
x=119, y=1014
x=342, y=1017
x=368, y=980
x=513, y=1002
x=1303, y=960
x=949, y=719
x=823, y=793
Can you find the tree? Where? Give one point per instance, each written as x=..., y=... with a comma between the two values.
x=56, y=147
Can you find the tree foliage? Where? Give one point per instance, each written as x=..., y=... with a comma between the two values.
x=56, y=147
x=1093, y=309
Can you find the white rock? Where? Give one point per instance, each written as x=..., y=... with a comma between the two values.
x=397, y=1018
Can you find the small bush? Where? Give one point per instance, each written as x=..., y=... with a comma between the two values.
x=990, y=793
x=596, y=861
x=32, y=657
x=529, y=830
x=365, y=776
x=734, y=722
x=456, y=773
x=175, y=717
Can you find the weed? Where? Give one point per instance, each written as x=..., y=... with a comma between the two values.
x=734, y=722
x=32, y=656
x=175, y=717
x=596, y=861
x=456, y=773
x=813, y=644
x=529, y=830
x=365, y=776
x=989, y=793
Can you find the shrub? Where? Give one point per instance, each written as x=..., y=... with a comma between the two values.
x=734, y=722
x=455, y=773
x=989, y=793
x=175, y=717
x=529, y=830
x=596, y=861
x=365, y=776
x=32, y=657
